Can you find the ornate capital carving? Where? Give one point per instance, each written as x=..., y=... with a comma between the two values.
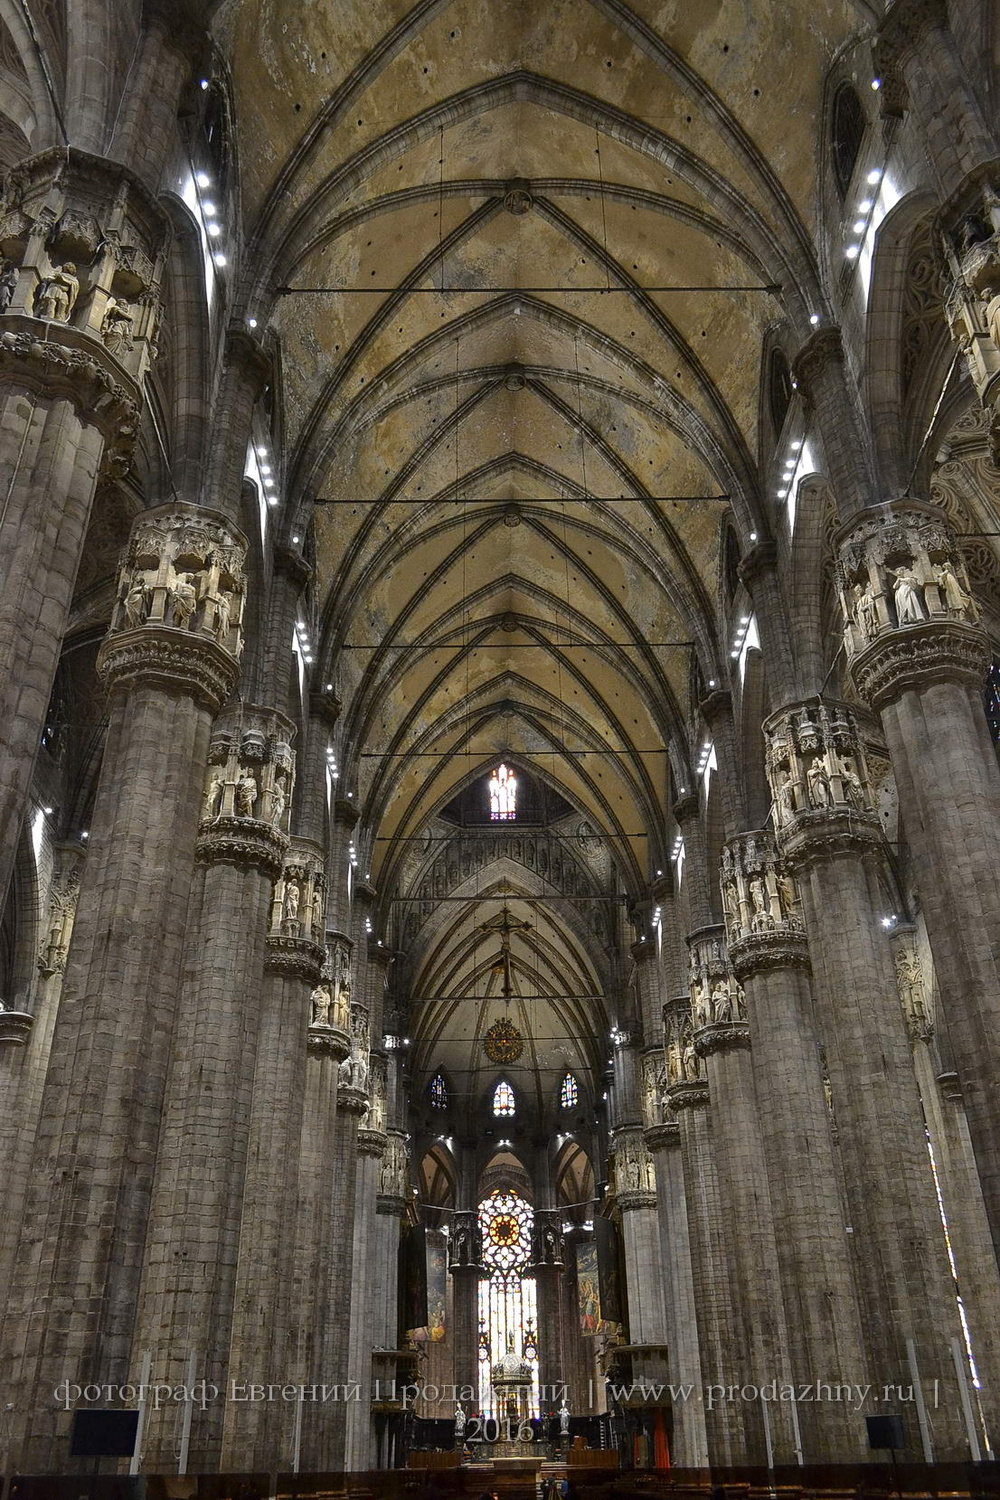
x=15, y=1027
x=764, y=923
x=298, y=906
x=819, y=353
x=909, y=615
x=84, y=243
x=75, y=367
x=818, y=772
x=178, y=664
x=351, y=1101
x=653, y=1079
x=248, y=785
x=688, y=1095
x=177, y=619
x=293, y=566
x=633, y=1180
x=683, y=1063
x=394, y=1174
x=904, y=27
x=686, y=807
x=371, y=1143
x=718, y=1004
x=760, y=559
x=293, y=958
x=663, y=1137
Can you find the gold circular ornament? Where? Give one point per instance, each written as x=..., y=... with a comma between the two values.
x=504, y=1043
x=505, y=1230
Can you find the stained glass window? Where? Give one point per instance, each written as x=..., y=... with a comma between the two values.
x=570, y=1095
x=503, y=795
x=439, y=1092
x=503, y=1099
x=508, y=1313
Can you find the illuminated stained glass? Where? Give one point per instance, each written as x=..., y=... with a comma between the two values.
x=569, y=1095
x=503, y=795
x=991, y=698
x=439, y=1092
x=503, y=1100
x=508, y=1315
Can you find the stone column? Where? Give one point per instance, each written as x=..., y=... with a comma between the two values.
x=770, y=958
x=958, y=1181
x=917, y=655
x=293, y=998
x=25, y=1040
x=170, y=660
x=548, y=1268
x=84, y=243
x=828, y=835
x=757, y=1344
x=635, y=1199
x=371, y=1147
x=713, y=1276
x=465, y=1263
x=310, y=1322
x=391, y=1201
x=922, y=71
x=189, y=1274
x=689, y=1448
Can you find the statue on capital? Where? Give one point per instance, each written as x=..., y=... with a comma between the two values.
x=57, y=294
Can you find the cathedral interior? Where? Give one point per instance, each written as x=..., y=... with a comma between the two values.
x=499, y=705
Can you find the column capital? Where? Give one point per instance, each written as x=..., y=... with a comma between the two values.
x=352, y=1101
x=248, y=789
x=684, y=1066
x=687, y=807
x=346, y=812
x=325, y=706
x=299, y=898
x=86, y=243
x=822, y=351
x=632, y=1177
x=761, y=558
x=689, y=1094
x=910, y=617
x=290, y=564
x=325, y=1040
x=718, y=1004
x=15, y=1027
x=371, y=1143
x=293, y=958
x=177, y=621
x=764, y=923
x=663, y=1137
x=818, y=772
x=904, y=27
x=715, y=705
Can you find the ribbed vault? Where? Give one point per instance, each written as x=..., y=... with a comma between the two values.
x=523, y=261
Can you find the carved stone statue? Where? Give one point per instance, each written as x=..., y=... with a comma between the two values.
x=321, y=1000
x=906, y=596
x=698, y=1004
x=786, y=892
x=8, y=285
x=864, y=611
x=136, y=603
x=116, y=327
x=183, y=601
x=223, y=614
x=246, y=794
x=564, y=1420
x=819, y=783
x=213, y=797
x=278, y=801
x=956, y=600
x=57, y=294
x=689, y=1060
x=459, y=1424
x=722, y=1003
x=761, y=914
x=290, y=910
x=785, y=802
x=317, y=911
x=852, y=784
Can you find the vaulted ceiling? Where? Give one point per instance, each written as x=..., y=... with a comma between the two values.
x=523, y=260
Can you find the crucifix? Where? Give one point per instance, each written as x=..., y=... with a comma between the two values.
x=504, y=924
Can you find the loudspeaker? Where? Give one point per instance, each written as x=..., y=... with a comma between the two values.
x=885, y=1432
x=103, y=1434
